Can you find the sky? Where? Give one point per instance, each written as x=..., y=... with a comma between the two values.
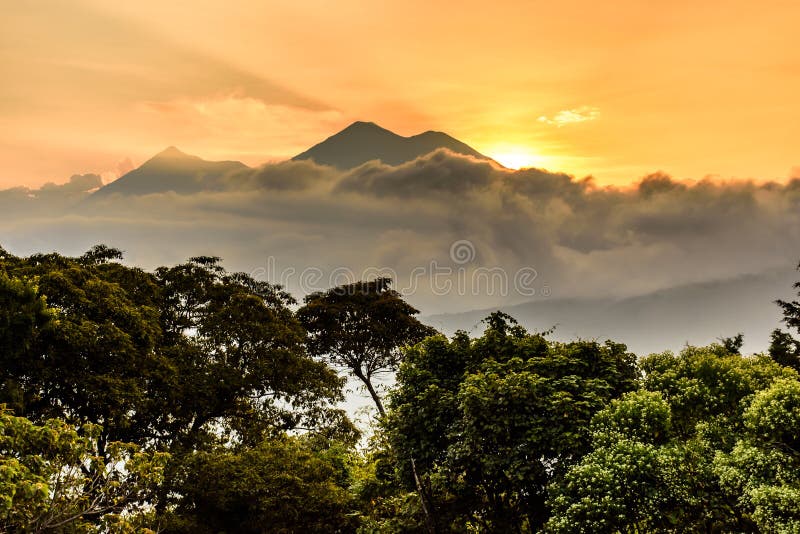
x=614, y=90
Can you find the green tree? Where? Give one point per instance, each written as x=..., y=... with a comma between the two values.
x=627, y=481
x=53, y=479
x=651, y=467
x=237, y=359
x=733, y=344
x=492, y=421
x=785, y=349
x=281, y=485
x=88, y=363
x=186, y=355
x=706, y=385
x=362, y=327
x=762, y=471
x=187, y=358
x=23, y=315
x=385, y=505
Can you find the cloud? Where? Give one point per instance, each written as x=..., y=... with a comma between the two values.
x=124, y=167
x=441, y=172
x=78, y=183
x=297, y=219
x=51, y=198
x=571, y=116
x=284, y=176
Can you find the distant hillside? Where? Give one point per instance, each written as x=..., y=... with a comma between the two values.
x=697, y=314
x=171, y=170
x=366, y=141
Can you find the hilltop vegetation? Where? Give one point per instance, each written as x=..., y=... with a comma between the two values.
x=194, y=400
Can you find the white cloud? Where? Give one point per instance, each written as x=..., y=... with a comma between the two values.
x=571, y=116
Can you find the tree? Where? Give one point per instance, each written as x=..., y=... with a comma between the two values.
x=281, y=485
x=705, y=385
x=171, y=357
x=652, y=463
x=492, y=421
x=733, y=344
x=53, y=479
x=187, y=358
x=784, y=349
x=362, y=327
x=237, y=360
x=89, y=362
x=627, y=482
x=23, y=315
x=762, y=471
x=791, y=309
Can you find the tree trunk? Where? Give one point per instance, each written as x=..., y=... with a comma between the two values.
x=429, y=524
x=422, y=498
x=374, y=394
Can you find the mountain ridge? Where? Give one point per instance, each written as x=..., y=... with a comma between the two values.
x=176, y=171
x=693, y=313
x=362, y=141
x=171, y=170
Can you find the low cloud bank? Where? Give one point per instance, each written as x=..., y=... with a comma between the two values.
x=449, y=228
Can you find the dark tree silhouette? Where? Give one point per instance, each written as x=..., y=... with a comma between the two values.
x=362, y=327
x=783, y=348
x=733, y=344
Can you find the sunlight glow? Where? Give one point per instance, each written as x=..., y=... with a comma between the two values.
x=517, y=158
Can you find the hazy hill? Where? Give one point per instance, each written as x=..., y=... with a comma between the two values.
x=697, y=314
x=366, y=141
x=172, y=170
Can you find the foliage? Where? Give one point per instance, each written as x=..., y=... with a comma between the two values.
x=237, y=360
x=52, y=479
x=193, y=399
x=707, y=384
x=281, y=485
x=733, y=344
x=633, y=480
x=783, y=347
x=640, y=415
x=170, y=357
x=187, y=358
x=23, y=314
x=652, y=464
x=490, y=422
x=762, y=471
x=362, y=327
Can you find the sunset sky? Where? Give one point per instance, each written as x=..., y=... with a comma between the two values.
x=616, y=90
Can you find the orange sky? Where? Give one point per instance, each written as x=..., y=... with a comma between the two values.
x=615, y=89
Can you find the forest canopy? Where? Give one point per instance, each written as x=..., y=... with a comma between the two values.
x=193, y=399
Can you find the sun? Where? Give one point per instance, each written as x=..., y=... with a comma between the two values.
x=517, y=158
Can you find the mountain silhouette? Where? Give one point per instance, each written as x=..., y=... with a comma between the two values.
x=366, y=141
x=172, y=170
